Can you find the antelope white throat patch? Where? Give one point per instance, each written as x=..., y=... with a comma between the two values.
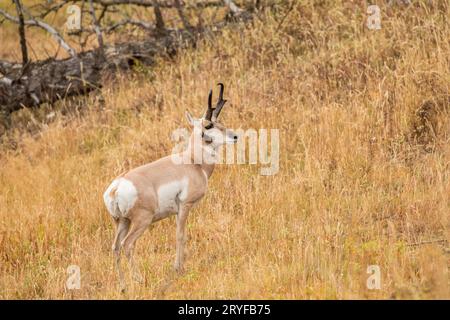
x=170, y=195
x=122, y=195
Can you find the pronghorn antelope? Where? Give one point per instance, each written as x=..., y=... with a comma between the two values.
x=164, y=187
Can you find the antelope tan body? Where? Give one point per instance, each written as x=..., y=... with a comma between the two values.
x=164, y=187
x=159, y=187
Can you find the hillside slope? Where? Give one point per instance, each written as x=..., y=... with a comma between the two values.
x=364, y=165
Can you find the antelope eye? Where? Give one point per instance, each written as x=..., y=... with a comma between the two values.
x=209, y=126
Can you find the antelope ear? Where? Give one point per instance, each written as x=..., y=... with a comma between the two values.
x=189, y=118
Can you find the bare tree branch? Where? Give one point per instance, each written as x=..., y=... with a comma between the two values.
x=138, y=23
x=81, y=42
x=110, y=28
x=23, y=40
x=49, y=10
x=97, y=28
x=103, y=13
x=160, y=26
x=185, y=22
x=46, y=27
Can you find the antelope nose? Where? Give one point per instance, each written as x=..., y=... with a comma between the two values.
x=235, y=137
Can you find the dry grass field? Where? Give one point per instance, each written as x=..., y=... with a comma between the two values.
x=364, y=179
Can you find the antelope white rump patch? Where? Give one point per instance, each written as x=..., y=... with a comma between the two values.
x=121, y=195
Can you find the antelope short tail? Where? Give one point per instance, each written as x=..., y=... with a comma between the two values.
x=120, y=197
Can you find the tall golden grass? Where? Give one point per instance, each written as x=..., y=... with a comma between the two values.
x=364, y=165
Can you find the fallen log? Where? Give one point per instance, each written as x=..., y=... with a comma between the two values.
x=50, y=80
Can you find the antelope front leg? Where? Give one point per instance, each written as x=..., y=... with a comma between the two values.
x=181, y=236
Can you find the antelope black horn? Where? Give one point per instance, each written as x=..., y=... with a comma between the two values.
x=209, y=111
x=220, y=103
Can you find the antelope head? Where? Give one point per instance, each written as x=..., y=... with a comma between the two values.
x=208, y=129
